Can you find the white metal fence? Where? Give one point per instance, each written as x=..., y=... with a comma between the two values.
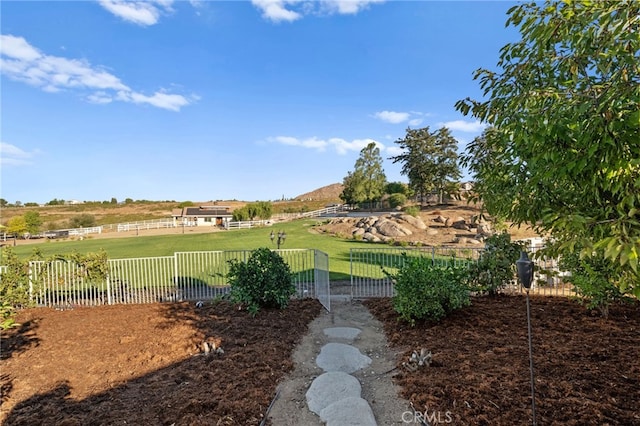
x=183, y=276
x=368, y=278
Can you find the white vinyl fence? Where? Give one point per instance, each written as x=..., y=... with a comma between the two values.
x=183, y=276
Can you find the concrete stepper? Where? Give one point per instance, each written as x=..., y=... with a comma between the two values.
x=335, y=394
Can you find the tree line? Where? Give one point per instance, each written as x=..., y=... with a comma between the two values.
x=429, y=160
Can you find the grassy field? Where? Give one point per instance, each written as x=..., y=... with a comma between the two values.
x=300, y=235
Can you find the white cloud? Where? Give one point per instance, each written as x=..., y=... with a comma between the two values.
x=348, y=7
x=415, y=122
x=392, y=116
x=276, y=10
x=464, y=126
x=341, y=146
x=138, y=12
x=11, y=155
x=22, y=62
x=292, y=10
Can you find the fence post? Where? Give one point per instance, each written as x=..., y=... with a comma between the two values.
x=108, y=289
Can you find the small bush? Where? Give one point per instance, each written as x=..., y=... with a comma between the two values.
x=264, y=281
x=594, y=280
x=397, y=200
x=425, y=290
x=496, y=267
x=412, y=210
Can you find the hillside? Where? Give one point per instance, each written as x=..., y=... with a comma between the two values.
x=326, y=193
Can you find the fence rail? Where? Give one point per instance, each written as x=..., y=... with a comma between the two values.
x=183, y=276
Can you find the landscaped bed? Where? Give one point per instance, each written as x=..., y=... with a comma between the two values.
x=143, y=364
x=587, y=369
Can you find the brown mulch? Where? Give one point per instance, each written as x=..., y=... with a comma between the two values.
x=144, y=364
x=587, y=368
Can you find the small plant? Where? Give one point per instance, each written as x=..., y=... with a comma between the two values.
x=418, y=360
x=263, y=281
x=495, y=269
x=412, y=210
x=425, y=290
x=594, y=281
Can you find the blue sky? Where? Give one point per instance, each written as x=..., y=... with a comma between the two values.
x=219, y=100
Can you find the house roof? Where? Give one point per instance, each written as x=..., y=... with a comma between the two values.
x=202, y=211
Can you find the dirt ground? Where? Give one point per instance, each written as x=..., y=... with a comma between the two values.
x=144, y=364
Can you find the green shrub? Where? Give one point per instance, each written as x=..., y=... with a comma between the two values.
x=264, y=281
x=425, y=290
x=496, y=266
x=14, y=286
x=412, y=210
x=594, y=281
x=397, y=200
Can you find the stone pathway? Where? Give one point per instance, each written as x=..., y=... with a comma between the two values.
x=342, y=375
x=336, y=395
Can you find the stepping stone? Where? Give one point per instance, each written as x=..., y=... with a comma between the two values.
x=348, y=333
x=331, y=387
x=341, y=357
x=352, y=411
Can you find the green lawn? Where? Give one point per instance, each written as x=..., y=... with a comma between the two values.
x=298, y=237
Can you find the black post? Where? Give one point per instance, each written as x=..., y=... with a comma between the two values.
x=525, y=276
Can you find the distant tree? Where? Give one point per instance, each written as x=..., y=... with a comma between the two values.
x=252, y=211
x=84, y=220
x=397, y=188
x=114, y=200
x=33, y=221
x=348, y=194
x=55, y=202
x=128, y=201
x=17, y=226
x=31, y=204
x=3, y=202
x=564, y=151
x=367, y=182
x=429, y=160
x=397, y=199
x=18, y=204
x=186, y=204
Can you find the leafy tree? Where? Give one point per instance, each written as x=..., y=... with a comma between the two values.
x=252, y=211
x=84, y=220
x=55, y=202
x=367, y=181
x=33, y=221
x=3, y=202
x=16, y=226
x=397, y=200
x=397, y=188
x=430, y=160
x=565, y=109
x=114, y=200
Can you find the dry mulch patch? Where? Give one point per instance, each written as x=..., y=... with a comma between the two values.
x=144, y=364
x=587, y=368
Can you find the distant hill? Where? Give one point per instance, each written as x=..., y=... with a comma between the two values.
x=330, y=193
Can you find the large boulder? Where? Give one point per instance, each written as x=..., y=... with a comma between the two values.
x=392, y=229
x=416, y=222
